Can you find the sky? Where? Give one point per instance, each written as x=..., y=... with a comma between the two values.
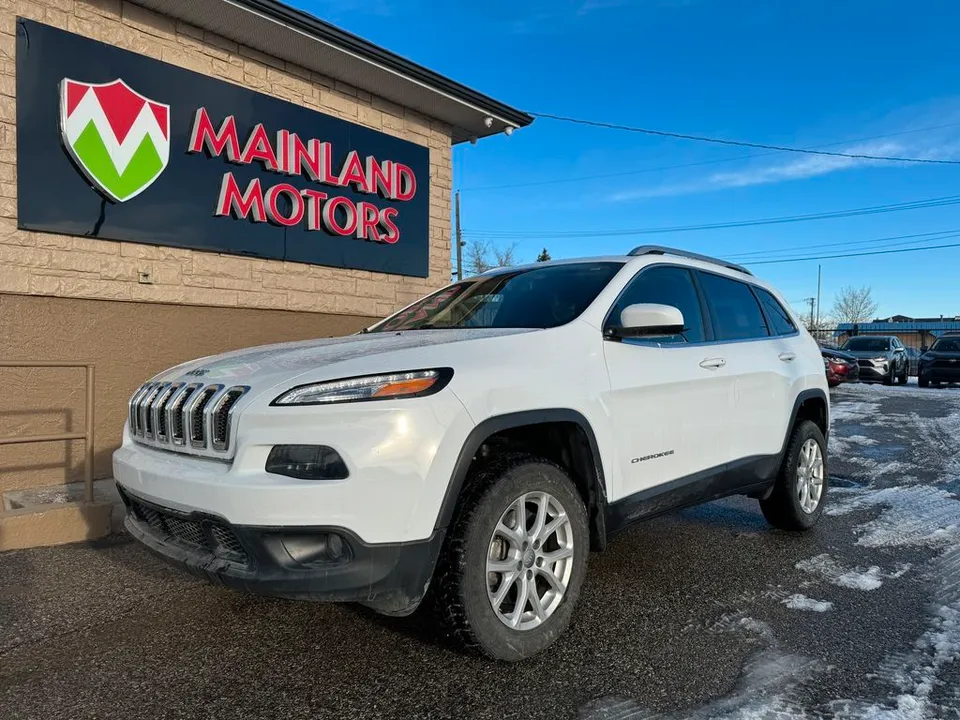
x=877, y=78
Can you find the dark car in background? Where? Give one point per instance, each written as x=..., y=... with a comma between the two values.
x=840, y=367
x=913, y=355
x=880, y=357
x=941, y=362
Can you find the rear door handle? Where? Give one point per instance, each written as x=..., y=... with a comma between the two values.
x=788, y=356
x=713, y=363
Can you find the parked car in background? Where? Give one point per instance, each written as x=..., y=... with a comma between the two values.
x=941, y=362
x=840, y=366
x=880, y=358
x=913, y=356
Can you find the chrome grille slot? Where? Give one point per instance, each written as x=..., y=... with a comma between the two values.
x=144, y=423
x=133, y=405
x=175, y=413
x=194, y=415
x=220, y=417
x=158, y=410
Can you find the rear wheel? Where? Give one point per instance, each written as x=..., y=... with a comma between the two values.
x=796, y=502
x=922, y=381
x=515, y=559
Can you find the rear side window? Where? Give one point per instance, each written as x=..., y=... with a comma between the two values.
x=665, y=285
x=779, y=318
x=735, y=309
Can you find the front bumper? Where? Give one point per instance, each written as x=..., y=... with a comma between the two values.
x=302, y=563
x=870, y=370
x=941, y=371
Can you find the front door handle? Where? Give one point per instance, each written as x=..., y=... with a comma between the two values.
x=788, y=356
x=713, y=363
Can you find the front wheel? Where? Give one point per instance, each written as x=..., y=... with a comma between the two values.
x=796, y=502
x=904, y=375
x=515, y=559
x=890, y=377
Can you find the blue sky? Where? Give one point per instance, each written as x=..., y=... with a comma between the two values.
x=770, y=71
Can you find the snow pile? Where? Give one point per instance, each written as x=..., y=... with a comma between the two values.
x=797, y=601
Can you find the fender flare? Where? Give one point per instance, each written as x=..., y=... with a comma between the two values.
x=596, y=485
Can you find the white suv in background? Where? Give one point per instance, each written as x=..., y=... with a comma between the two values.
x=480, y=442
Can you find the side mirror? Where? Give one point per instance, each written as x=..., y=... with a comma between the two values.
x=649, y=320
x=924, y=348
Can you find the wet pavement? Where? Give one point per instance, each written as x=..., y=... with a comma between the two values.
x=707, y=613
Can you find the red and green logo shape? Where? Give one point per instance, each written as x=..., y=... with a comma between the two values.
x=118, y=138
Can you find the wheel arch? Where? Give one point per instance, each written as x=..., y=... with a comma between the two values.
x=810, y=404
x=584, y=464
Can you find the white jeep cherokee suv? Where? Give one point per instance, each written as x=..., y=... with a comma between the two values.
x=482, y=441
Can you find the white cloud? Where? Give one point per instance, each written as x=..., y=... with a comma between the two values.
x=798, y=167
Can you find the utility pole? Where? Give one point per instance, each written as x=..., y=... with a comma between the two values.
x=459, y=241
x=811, y=301
x=819, y=267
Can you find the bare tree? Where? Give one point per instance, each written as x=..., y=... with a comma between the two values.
x=505, y=255
x=477, y=252
x=854, y=305
x=482, y=256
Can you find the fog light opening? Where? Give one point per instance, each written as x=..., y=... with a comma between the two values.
x=307, y=462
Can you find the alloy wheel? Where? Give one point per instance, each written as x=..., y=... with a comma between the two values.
x=529, y=560
x=810, y=475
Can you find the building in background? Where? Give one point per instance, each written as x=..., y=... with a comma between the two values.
x=912, y=332
x=179, y=178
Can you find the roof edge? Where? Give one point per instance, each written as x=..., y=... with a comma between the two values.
x=307, y=23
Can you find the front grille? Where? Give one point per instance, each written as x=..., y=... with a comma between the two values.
x=946, y=364
x=187, y=417
x=200, y=535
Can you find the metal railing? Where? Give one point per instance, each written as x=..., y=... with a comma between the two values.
x=87, y=435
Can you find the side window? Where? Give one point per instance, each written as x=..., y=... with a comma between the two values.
x=736, y=311
x=666, y=286
x=780, y=322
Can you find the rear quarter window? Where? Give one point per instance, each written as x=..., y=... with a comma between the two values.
x=777, y=315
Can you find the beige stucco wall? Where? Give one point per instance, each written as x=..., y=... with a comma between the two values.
x=62, y=266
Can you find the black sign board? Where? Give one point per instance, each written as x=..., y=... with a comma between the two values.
x=115, y=145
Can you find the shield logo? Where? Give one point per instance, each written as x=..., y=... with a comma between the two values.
x=118, y=139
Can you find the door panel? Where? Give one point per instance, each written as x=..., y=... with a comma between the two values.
x=668, y=413
x=669, y=397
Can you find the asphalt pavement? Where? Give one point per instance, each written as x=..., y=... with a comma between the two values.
x=706, y=613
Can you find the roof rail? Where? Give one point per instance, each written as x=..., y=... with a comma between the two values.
x=659, y=250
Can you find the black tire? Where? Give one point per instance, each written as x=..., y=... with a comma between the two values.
x=460, y=591
x=904, y=375
x=923, y=382
x=889, y=377
x=782, y=508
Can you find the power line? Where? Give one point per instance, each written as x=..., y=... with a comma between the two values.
x=661, y=168
x=860, y=254
x=564, y=234
x=764, y=254
x=743, y=143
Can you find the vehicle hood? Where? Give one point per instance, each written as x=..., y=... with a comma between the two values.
x=838, y=355
x=869, y=354
x=941, y=354
x=265, y=366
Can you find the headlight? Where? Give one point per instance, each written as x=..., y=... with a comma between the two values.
x=416, y=383
x=880, y=359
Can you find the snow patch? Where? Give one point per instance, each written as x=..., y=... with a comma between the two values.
x=915, y=516
x=857, y=578
x=798, y=601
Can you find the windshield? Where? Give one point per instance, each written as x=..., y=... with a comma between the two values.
x=537, y=297
x=867, y=344
x=947, y=345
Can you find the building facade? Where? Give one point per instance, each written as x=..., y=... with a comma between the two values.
x=179, y=178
